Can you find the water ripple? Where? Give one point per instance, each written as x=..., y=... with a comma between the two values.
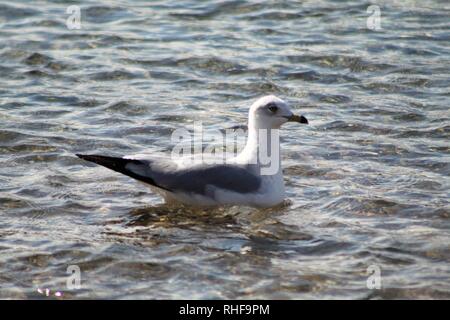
x=367, y=180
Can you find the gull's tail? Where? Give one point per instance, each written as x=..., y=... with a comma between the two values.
x=121, y=165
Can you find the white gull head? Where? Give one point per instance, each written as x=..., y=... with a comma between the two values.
x=270, y=112
x=265, y=117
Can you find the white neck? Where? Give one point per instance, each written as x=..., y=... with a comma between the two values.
x=262, y=149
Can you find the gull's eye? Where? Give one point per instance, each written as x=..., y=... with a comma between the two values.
x=272, y=107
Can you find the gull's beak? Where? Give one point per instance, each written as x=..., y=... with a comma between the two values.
x=296, y=118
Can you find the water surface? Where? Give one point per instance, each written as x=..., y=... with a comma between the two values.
x=367, y=180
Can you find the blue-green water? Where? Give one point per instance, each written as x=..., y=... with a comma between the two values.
x=368, y=179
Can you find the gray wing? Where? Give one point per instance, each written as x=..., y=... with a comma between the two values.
x=196, y=179
x=240, y=179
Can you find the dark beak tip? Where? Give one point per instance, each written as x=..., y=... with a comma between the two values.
x=299, y=119
x=303, y=120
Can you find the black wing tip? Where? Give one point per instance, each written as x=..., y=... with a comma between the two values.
x=92, y=157
x=119, y=165
x=88, y=157
x=109, y=162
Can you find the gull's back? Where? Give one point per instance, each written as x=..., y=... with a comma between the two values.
x=202, y=183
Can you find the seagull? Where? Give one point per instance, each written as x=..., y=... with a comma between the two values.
x=241, y=180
